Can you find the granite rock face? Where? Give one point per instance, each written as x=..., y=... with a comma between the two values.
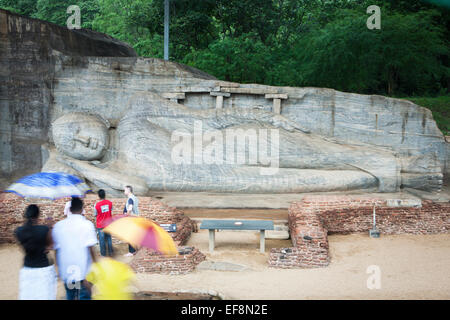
x=29, y=50
x=82, y=102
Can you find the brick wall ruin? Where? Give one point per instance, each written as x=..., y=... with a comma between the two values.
x=13, y=207
x=311, y=219
x=148, y=261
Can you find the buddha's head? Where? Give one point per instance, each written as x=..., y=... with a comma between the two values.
x=81, y=136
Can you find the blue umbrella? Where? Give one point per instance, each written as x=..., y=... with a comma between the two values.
x=49, y=185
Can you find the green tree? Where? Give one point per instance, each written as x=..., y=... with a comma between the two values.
x=240, y=59
x=404, y=57
x=130, y=21
x=25, y=7
x=281, y=42
x=141, y=24
x=238, y=17
x=56, y=11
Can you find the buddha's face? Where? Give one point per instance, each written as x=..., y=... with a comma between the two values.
x=80, y=136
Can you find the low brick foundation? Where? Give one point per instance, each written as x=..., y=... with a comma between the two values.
x=148, y=261
x=314, y=217
x=13, y=207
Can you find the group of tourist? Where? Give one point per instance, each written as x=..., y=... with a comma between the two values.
x=73, y=239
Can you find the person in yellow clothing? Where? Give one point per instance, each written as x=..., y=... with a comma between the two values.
x=111, y=280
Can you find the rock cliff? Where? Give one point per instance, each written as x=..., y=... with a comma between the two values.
x=48, y=71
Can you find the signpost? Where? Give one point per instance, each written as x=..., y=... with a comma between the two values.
x=166, y=30
x=169, y=227
x=374, y=233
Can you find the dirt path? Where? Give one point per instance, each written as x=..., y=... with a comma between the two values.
x=412, y=267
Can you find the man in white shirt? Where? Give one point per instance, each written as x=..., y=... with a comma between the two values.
x=67, y=211
x=74, y=239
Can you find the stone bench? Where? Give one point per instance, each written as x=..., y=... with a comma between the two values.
x=261, y=225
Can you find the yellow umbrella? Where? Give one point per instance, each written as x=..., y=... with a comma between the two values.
x=111, y=279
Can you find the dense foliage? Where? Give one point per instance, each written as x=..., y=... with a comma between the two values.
x=322, y=43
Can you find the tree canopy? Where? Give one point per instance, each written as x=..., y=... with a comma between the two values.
x=281, y=42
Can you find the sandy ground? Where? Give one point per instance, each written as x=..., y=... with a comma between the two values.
x=412, y=267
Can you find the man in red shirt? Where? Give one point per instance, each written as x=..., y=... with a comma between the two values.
x=103, y=211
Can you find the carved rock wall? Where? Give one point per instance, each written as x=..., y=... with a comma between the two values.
x=47, y=71
x=108, y=86
x=28, y=51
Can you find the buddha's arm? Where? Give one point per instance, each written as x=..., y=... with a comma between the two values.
x=112, y=178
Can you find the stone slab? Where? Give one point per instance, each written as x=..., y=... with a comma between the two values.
x=223, y=94
x=221, y=266
x=280, y=232
x=235, y=224
x=276, y=96
x=249, y=90
x=404, y=202
x=174, y=95
x=241, y=201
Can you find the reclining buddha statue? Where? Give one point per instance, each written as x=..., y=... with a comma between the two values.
x=154, y=147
